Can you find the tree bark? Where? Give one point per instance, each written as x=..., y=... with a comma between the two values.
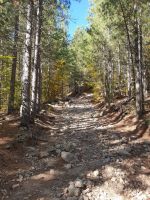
x=145, y=80
x=26, y=71
x=39, y=89
x=138, y=64
x=14, y=65
x=119, y=71
x=129, y=76
x=129, y=44
x=36, y=66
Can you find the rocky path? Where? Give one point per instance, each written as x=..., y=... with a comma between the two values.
x=79, y=159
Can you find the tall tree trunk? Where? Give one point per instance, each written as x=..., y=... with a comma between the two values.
x=129, y=76
x=1, y=78
x=109, y=78
x=138, y=64
x=0, y=93
x=108, y=83
x=39, y=89
x=119, y=71
x=37, y=62
x=26, y=71
x=145, y=80
x=130, y=47
x=14, y=65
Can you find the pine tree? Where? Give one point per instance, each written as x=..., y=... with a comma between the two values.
x=26, y=71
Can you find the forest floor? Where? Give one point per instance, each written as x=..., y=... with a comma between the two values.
x=76, y=150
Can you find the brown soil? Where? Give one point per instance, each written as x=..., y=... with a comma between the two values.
x=28, y=173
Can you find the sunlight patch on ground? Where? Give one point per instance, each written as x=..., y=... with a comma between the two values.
x=116, y=186
x=5, y=140
x=104, y=127
x=48, y=175
x=143, y=179
x=105, y=193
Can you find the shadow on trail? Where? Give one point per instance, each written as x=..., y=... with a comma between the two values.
x=96, y=148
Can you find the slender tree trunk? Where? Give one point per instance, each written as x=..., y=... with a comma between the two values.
x=39, y=89
x=14, y=65
x=106, y=77
x=26, y=71
x=129, y=76
x=109, y=78
x=119, y=71
x=129, y=45
x=62, y=89
x=0, y=94
x=127, y=31
x=108, y=84
x=36, y=66
x=138, y=65
x=145, y=80
x=1, y=79
x=49, y=83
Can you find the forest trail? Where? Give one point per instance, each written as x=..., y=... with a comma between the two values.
x=70, y=144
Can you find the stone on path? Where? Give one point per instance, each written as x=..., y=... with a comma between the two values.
x=73, y=191
x=67, y=156
x=79, y=183
x=15, y=186
x=68, y=166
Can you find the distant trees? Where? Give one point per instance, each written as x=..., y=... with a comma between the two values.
x=117, y=39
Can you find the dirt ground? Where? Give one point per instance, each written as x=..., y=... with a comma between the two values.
x=110, y=150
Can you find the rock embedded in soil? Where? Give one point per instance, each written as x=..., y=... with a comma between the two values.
x=44, y=154
x=79, y=183
x=58, y=152
x=96, y=173
x=87, y=190
x=89, y=185
x=68, y=166
x=67, y=156
x=74, y=192
x=124, y=152
x=15, y=186
x=20, y=179
x=93, y=175
x=85, y=198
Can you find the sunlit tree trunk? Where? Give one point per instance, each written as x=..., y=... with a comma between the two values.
x=138, y=64
x=14, y=65
x=26, y=70
x=36, y=67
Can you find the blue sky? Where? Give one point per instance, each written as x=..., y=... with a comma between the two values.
x=78, y=13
